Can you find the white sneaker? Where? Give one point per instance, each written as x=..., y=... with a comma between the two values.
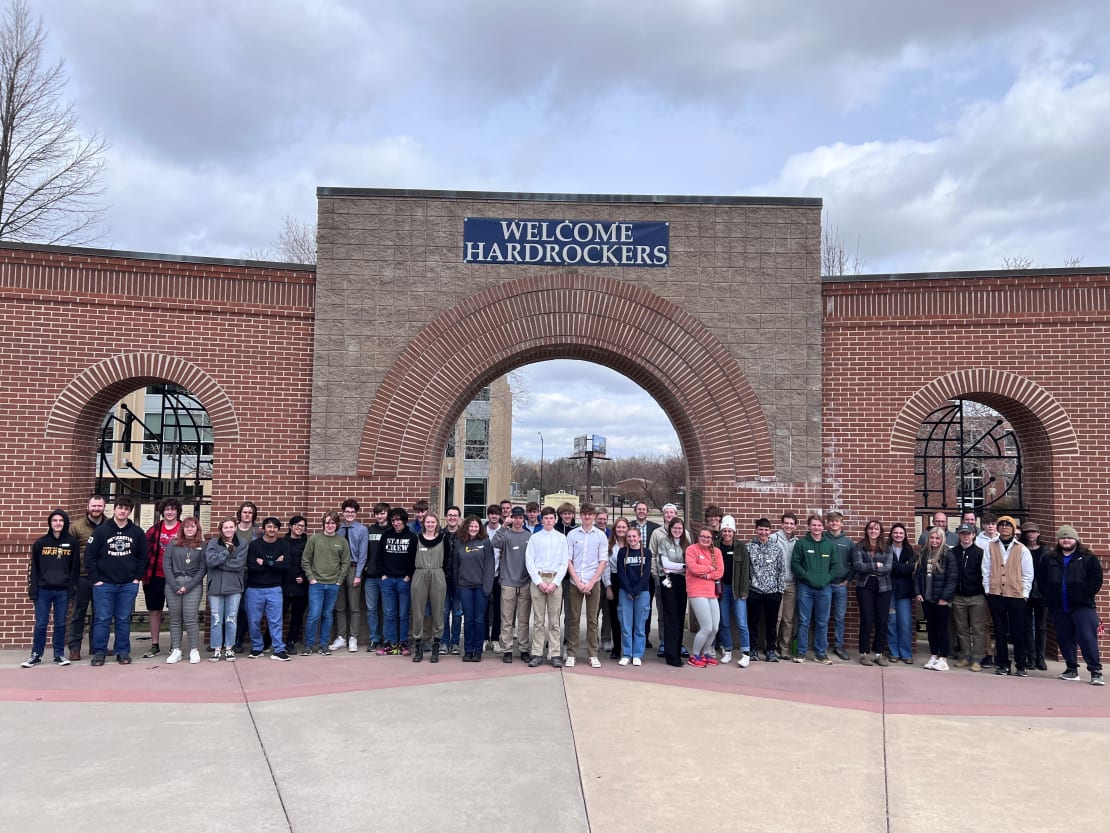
x=726, y=657
x=932, y=663
x=744, y=661
x=337, y=644
x=175, y=656
x=569, y=663
x=352, y=644
x=623, y=661
x=194, y=656
x=941, y=665
x=495, y=646
x=595, y=662
x=636, y=661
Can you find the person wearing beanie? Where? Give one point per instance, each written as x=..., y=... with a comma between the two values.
x=1071, y=578
x=735, y=584
x=1007, y=581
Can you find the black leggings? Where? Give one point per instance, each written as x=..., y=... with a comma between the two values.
x=763, y=617
x=672, y=601
x=936, y=623
x=874, y=611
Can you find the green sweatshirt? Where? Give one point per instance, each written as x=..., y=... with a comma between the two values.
x=813, y=562
x=326, y=558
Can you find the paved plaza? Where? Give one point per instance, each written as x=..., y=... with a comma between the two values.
x=356, y=742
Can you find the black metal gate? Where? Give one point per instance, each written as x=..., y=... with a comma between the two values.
x=174, y=454
x=967, y=457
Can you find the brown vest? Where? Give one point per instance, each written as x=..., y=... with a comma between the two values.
x=1006, y=578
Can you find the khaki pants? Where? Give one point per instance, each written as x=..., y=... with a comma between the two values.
x=515, y=602
x=593, y=607
x=788, y=611
x=348, y=605
x=547, y=621
x=970, y=615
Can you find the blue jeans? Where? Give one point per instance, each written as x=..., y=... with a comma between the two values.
x=813, y=607
x=224, y=611
x=321, y=610
x=729, y=608
x=633, y=617
x=264, y=601
x=396, y=600
x=474, y=602
x=452, y=617
x=58, y=601
x=113, y=602
x=899, y=628
x=372, y=593
x=840, y=608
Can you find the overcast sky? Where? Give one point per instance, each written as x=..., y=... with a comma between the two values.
x=943, y=135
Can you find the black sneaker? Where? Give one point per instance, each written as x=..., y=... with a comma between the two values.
x=98, y=659
x=1069, y=675
x=842, y=654
x=1096, y=678
x=154, y=651
x=123, y=659
x=33, y=660
x=281, y=656
x=507, y=656
x=1021, y=672
x=1002, y=670
x=237, y=649
x=60, y=660
x=987, y=661
x=306, y=651
x=255, y=654
x=325, y=650
x=372, y=647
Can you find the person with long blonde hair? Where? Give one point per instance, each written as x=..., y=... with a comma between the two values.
x=935, y=580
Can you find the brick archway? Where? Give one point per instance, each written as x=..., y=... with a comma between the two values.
x=81, y=405
x=1025, y=403
x=673, y=356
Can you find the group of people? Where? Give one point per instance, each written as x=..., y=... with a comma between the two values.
x=519, y=580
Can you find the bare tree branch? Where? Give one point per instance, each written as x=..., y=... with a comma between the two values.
x=835, y=258
x=1017, y=262
x=50, y=175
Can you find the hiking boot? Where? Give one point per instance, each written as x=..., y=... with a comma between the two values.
x=418, y=653
x=435, y=651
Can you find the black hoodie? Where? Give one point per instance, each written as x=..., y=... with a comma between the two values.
x=55, y=564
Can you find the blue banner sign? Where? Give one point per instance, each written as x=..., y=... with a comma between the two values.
x=565, y=242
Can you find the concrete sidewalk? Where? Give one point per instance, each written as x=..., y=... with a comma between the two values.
x=357, y=742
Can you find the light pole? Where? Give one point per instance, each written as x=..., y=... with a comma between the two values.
x=541, y=464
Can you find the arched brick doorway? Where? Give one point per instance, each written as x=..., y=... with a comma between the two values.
x=1043, y=427
x=73, y=423
x=674, y=357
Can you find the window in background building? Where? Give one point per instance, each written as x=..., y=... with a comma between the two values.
x=474, y=496
x=477, y=439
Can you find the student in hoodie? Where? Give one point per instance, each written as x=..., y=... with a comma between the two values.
x=396, y=561
x=1037, y=639
x=185, y=569
x=473, y=569
x=813, y=562
x=158, y=537
x=267, y=563
x=434, y=555
x=371, y=581
x=82, y=530
x=246, y=531
x=294, y=590
x=55, y=567
x=116, y=559
x=225, y=556
x=634, y=572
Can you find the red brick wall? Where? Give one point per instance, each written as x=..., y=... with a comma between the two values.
x=1034, y=346
x=73, y=322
